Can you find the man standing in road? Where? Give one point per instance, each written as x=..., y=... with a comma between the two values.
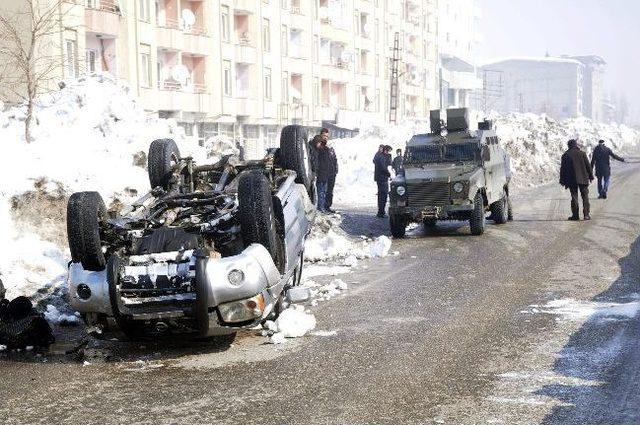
x=333, y=170
x=600, y=159
x=397, y=162
x=382, y=162
x=323, y=169
x=575, y=175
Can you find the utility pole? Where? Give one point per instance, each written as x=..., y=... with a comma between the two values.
x=393, y=92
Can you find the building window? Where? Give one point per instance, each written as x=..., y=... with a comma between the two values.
x=143, y=10
x=145, y=65
x=72, y=58
x=266, y=35
x=225, y=23
x=316, y=49
x=226, y=71
x=316, y=91
x=91, y=56
x=377, y=70
x=284, y=41
x=285, y=87
x=284, y=4
x=267, y=83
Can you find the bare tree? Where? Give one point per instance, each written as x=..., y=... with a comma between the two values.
x=30, y=50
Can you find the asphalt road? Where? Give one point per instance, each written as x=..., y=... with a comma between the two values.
x=455, y=329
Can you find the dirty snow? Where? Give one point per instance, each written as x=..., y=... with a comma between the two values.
x=53, y=315
x=576, y=310
x=294, y=322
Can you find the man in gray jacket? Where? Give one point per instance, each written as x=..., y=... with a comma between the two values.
x=576, y=175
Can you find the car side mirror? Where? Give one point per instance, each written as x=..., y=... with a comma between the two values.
x=486, y=153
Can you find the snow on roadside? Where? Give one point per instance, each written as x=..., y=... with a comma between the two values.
x=294, y=322
x=576, y=310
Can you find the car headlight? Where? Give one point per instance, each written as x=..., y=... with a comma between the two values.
x=458, y=187
x=401, y=190
x=235, y=277
x=243, y=310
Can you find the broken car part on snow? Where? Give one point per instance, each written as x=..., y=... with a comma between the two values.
x=456, y=176
x=211, y=249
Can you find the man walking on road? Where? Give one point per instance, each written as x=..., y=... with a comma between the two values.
x=600, y=159
x=382, y=162
x=575, y=175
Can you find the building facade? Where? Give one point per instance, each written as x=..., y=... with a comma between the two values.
x=593, y=97
x=458, y=42
x=546, y=85
x=244, y=68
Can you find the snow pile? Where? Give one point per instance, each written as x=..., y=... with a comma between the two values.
x=90, y=135
x=354, y=182
x=576, y=310
x=294, y=322
x=328, y=242
x=53, y=315
x=536, y=142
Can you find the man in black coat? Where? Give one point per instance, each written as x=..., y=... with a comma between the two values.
x=324, y=169
x=600, y=159
x=575, y=175
x=333, y=170
x=382, y=162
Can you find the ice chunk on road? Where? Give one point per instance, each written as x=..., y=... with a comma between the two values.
x=53, y=315
x=294, y=322
x=380, y=247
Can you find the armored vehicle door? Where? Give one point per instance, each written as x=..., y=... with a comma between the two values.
x=494, y=170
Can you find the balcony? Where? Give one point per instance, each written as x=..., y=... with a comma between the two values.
x=245, y=53
x=102, y=17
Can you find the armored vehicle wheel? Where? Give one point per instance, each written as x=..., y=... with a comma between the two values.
x=477, y=220
x=294, y=150
x=397, y=225
x=499, y=211
x=256, y=213
x=85, y=214
x=163, y=155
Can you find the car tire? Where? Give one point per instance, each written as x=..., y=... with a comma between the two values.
x=509, y=209
x=397, y=225
x=86, y=212
x=256, y=214
x=477, y=221
x=294, y=151
x=2, y=290
x=163, y=155
x=499, y=211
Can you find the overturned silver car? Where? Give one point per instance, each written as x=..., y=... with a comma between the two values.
x=210, y=249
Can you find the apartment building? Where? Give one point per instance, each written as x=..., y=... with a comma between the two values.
x=458, y=41
x=244, y=68
x=540, y=85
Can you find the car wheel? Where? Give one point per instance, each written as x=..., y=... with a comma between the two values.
x=163, y=156
x=294, y=151
x=397, y=225
x=256, y=214
x=499, y=211
x=509, y=209
x=478, y=220
x=86, y=213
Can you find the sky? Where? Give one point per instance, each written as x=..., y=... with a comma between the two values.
x=607, y=28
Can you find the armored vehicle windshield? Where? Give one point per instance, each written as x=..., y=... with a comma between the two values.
x=442, y=152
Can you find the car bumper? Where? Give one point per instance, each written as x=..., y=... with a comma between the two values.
x=211, y=288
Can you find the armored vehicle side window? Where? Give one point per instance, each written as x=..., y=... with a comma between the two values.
x=435, y=153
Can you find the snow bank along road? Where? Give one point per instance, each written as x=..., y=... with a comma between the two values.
x=534, y=322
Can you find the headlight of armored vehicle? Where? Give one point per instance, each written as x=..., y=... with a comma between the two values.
x=458, y=187
x=401, y=190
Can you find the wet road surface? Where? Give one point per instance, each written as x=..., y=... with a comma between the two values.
x=454, y=329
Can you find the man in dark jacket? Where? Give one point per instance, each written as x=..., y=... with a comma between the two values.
x=575, y=175
x=397, y=163
x=600, y=159
x=382, y=162
x=324, y=169
x=333, y=170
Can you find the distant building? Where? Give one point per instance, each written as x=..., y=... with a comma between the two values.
x=545, y=85
x=592, y=86
x=458, y=42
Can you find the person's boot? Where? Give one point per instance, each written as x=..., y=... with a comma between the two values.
x=587, y=217
x=604, y=196
x=574, y=218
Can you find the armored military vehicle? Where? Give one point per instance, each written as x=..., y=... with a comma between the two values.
x=452, y=173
